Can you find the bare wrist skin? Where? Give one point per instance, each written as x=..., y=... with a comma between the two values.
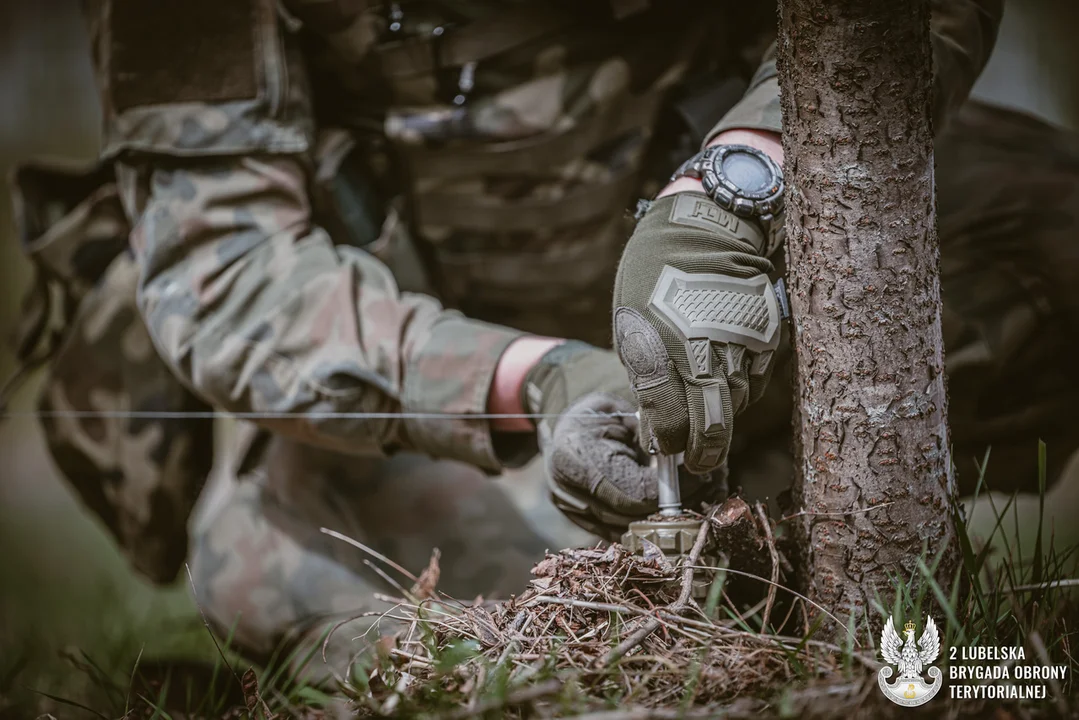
x=504, y=397
x=768, y=142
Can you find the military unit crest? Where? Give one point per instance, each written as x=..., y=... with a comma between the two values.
x=911, y=658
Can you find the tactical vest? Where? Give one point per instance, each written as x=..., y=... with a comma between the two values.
x=514, y=160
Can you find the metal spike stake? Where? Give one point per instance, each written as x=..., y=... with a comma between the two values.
x=670, y=496
x=666, y=467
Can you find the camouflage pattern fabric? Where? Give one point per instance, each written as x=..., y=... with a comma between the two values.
x=265, y=573
x=516, y=198
x=1009, y=230
x=247, y=96
x=261, y=310
x=140, y=475
x=263, y=313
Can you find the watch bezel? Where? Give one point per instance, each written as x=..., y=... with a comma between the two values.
x=730, y=196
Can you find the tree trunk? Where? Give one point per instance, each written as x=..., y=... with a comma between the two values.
x=863, y=260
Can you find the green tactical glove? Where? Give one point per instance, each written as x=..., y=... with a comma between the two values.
x=696, y=324
x=598, y=475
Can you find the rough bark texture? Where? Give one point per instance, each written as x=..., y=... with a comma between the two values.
x=856, y=83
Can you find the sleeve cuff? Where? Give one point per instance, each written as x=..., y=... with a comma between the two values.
x=451, y=374
x=759, y=109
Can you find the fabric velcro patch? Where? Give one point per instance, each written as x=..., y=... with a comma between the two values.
x=172, y=51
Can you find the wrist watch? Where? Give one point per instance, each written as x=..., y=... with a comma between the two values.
x=745, y=181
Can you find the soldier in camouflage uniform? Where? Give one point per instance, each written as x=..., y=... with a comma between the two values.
x=368, y=226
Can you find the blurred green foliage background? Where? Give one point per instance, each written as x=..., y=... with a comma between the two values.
x=62, y=583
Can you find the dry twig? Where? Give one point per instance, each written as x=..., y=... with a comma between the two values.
x=675, y=608
x=592, y=614
x=774, y=554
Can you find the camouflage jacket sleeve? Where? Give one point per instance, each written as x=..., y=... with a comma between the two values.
x=249, y=301
x=963, y=35
x=259, y=312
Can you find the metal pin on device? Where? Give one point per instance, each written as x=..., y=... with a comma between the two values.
x=670, y=496
x=670, y=531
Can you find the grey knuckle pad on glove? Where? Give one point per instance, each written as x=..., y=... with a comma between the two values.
x=696, y=324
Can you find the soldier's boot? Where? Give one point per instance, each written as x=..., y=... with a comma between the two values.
x=268, y=578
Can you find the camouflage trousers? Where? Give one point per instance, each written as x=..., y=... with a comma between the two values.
x=266, y=574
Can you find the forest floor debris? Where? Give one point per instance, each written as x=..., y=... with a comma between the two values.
x=600, y=629
x=603, y=634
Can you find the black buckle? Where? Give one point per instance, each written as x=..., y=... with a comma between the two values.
x=642, y=207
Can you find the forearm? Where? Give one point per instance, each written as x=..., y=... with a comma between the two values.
x=504, y=397
x=259, y=312
x=963, y=34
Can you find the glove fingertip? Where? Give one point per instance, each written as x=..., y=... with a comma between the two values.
x=707, y=454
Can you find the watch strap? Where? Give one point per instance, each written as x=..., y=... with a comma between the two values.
x=691, y=168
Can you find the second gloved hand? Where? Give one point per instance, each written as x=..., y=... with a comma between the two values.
x=597, y=473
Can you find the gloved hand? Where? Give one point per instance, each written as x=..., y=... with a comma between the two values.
x=696, y=324
x=598, y=475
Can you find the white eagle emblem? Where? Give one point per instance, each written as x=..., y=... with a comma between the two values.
x=910, y=657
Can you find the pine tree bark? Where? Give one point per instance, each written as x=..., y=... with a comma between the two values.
x=875, y=479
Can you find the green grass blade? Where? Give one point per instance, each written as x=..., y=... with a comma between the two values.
x=981, y=472
x=159, y=712
x=938, y=592
x=70, y=703
x=1000, y=515
x=131, y=682
x=162, y=697
x=1037, y=569
x=715, y=590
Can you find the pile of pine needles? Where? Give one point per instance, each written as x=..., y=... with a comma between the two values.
x=602, y=628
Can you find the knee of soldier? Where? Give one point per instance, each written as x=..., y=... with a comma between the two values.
x=233, y=579
x=284, y=606
x=268, y=581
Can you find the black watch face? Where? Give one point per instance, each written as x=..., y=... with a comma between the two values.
x=749, y=174
x=742, y=179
